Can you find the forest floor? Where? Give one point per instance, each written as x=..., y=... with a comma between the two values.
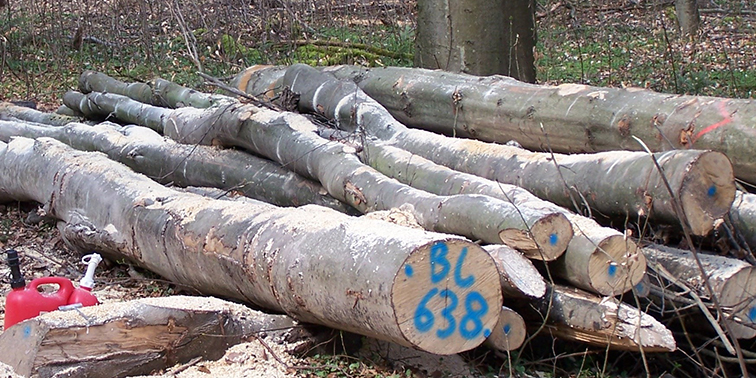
x=45, y=45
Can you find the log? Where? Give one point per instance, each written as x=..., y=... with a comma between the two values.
x=733, y=282
x=519, y=278
x=573, y=314
x=567, y=118
x=598, y=259
x=182, y=165
x=509, y=333
x=286, y=138
x=613, y=183
x=130, y=338
x=743, y=216
x=315, y=264
x=11, y=111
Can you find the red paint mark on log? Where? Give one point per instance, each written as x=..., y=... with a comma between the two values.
x=721, y=106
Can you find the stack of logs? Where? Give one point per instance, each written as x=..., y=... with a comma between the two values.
x=467, y=241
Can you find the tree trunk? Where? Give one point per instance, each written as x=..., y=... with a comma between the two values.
x=10, y=111
x=687, y=17
x=130, y=338
x=519, y=278
x=477, y=37
x=597, y=259
x=287, y=138
x=147, y=152
x=315, y=264
x=733, y=283
x=743, y=215
x=567, y=118
x=615, y=183
x=572, y=314
x=509, y=333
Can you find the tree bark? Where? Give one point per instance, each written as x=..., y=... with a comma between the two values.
x=733, y=283
x=315, y=264
x=615, y=183
x=687, y=17
x=287, y=138
x=572, y=314
x=10, y=111
x=743, y=216
x=568, y=118
x=182, y=165
x=519, y=278
x=130, y=338
x=597, y=259
x=477, y=37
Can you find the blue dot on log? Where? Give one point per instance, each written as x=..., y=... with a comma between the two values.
x=486, y=332
x=752, y=313
x=507, y=328
x=612, y=270
x=712, y=191
x=408, y=270
x=553, y=239
x=27, y=331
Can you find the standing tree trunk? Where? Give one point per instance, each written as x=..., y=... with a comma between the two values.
x=479, y=37
x=687, y=17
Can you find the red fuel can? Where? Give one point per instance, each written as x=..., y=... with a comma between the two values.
x=25, y=302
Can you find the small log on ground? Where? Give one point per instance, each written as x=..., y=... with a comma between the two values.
x=573, y=314
x=567, y=118
x=613, y=183
x=130, y=338
x=597, y=259
x=315, y=264
x=165, y=161
x=743, y=215
x=10, y=111
x=733, y=282
x=292, y=140
x=509, y=333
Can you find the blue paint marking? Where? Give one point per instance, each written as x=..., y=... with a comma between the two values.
x=486, y=332
x=752, y=314
x=612, y=270
x=553, y=239
x=438, y=257
x=27, y=331
x=451, y=304
x=408, y=270
x=462, y=282
x=712, y=191
x=424, y=318
x=473, y=315
x=507, y=328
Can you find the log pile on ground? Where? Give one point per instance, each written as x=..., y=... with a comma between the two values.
x=430, y=285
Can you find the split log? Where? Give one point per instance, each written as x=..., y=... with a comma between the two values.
x=743, y=215
x=315, y=264
x=567, y=118
x=291, y=140
x=11, y=111
x=733, y=282
x=167, y=162
x=613, y=183
x=519, y=278
x=509, y=333
x=130, y=338
x=573, y=314
x=598, y=259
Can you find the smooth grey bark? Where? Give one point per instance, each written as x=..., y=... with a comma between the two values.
x=478, y=37
x=313, y=263
x=687, y=17
x=743, y=216
x=620, y=183
x=168, y=162
x=568, y=118
x=291, y=140
x=10, y=111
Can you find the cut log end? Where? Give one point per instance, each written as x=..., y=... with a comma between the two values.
x=519, y=278
x=446, y=297
x=739, y=296
x=616, y=266
x=708, y=191
x=509, y=333
x=550, y=237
